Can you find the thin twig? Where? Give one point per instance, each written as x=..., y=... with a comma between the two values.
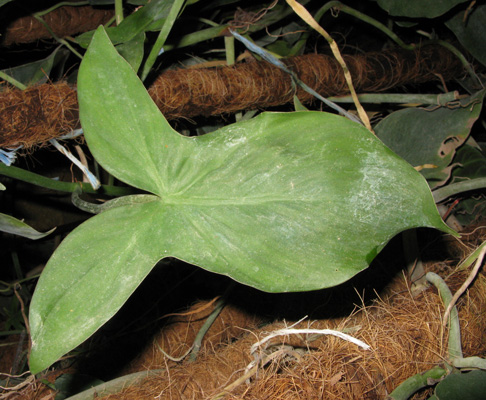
x=15, y=389
x=22, y=310
x=464, y=286
x=249, y=373
x=302, y=12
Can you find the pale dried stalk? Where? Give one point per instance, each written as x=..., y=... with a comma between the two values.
x=302, y=12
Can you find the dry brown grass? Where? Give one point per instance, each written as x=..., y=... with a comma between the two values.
x=405, y=334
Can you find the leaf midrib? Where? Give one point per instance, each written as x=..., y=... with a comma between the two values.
x=235, y=201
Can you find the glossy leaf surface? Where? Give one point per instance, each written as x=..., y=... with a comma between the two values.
x=281, y=202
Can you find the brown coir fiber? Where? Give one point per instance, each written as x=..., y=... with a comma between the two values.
x=37, y=114
x=178, y=336
x=251, y=85
x=32, y=116
x=405, y=334
x=63, y=21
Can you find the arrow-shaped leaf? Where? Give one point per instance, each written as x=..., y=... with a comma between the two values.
x=282, y=202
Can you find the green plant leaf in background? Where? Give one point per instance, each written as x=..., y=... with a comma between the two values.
x=132, y=51
x=472, y=31
x=14, y=226
x=281, y=202
x=112, y=2
x=149, y=17
x=39, y=71
x=465, y=386
x=471, y=164
x=417, y=9
x=3, y=2
x=438, y=130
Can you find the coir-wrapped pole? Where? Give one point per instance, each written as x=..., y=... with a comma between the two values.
x=37, y=114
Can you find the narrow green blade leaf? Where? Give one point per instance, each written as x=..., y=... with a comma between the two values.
x=146, y=18
x=14, y=226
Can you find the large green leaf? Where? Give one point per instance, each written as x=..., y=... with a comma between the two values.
x=417, y=8
x=471, y=31
x=439, y=130
x=282, y=202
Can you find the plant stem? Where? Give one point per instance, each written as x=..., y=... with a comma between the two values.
x=413, y=384
x=471, y=258
x=118, y=11
x=470, y=362
x=115, y=385
x=398, y=98
x=204, y=329
x=459, y=187
x=454, y=347
x=197, y=37
x=208, y=22
x=59, y=40
x=62, y=4
x=39, y=180
x=355, y=13
x=229, y=45
x=12, y=81
x=463, y=60
x=119, y=201
x=164, y=32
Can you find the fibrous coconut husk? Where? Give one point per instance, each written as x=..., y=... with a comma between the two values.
x=63, y=21
x=404, y=331
x=35, y=115
x=405, y=334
